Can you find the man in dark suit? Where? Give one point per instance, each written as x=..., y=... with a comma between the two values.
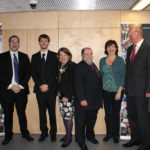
x=88, y=98
x=14, y=77
x=138, y=88
x=44, y=65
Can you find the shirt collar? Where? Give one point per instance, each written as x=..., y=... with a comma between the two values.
x=139, y=43
x=12, y=53
x=44, y=53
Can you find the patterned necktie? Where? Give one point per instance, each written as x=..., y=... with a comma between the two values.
x=16, y=69
x=133, y=54
x=94, y=69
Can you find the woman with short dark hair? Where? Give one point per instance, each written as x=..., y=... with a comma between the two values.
x=112, y=69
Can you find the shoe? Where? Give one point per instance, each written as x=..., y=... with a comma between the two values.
x=53, y=138
x=93, y=140
x=116, y=140
x=42, y=137
x=28, y=137
x=106, y=138
x=66, y=144
x=83, y=146
x=6, y=140
x=131, y=143
x=62, y=139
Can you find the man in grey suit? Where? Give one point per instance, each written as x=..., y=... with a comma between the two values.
x=138, y=88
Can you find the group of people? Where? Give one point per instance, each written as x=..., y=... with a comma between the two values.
x=81, y=89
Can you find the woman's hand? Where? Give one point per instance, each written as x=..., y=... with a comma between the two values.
x=118, y=96
x=64, y=99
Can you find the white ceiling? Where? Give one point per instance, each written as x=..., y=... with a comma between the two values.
x=45, y=5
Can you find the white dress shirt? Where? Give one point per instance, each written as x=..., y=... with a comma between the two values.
x=13, y=82
x=45, y=54
x=138, y=45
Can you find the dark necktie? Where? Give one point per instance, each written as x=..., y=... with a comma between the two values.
x=43, y=68
x=133, y=54
x=94, y=69
x=16, y=69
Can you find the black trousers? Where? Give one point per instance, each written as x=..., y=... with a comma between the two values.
x=8, y=101
x=139, y=120
x=47, y=101
x=112, y=113
x=84, y=124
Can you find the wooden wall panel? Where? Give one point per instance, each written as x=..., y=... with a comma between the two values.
x=135, y=16
x=69, y=19
x=96, y=19
x=29, y=20
x=70, y=38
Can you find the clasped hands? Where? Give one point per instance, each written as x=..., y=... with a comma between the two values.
x=16, y=88
x=44, y=88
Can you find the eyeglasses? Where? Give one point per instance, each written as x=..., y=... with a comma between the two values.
x=14, y=41
x=129, y=33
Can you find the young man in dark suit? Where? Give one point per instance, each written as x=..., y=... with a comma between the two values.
x=88, y=98
x=14, y=77
x=138, y=88
x=44, y=66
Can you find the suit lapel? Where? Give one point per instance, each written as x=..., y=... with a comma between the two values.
x=90, y=69
x=39, y=60
x=9, y=63
x=137, y=54
x=48, y=59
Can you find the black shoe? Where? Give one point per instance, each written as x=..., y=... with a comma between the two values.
x=83, y=146
x=42, y=137
x=28, y=137
x=66, y=144
x=62, y=139
x=106, y=138
x=6, y=140
x=116, y=139
x=131, y=143
x=93, y=140
x=53, y=138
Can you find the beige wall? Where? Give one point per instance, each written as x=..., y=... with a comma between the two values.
x=72, y=29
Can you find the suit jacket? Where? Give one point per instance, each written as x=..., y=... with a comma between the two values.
x=6, y=71
x=65, y=86
x=138, y=72
x=87, y=85
x=50, y=70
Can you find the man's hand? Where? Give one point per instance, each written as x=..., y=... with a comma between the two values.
x=44, y=88
x=84, y=103
x=16, y=89
x=64, y=99
x=147, y=95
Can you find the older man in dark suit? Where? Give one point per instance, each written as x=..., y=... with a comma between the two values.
x=44, y=66
x=14, y=77
x=88, y=95
x=138, y=88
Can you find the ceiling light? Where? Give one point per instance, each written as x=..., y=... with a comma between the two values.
x=140, y=5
